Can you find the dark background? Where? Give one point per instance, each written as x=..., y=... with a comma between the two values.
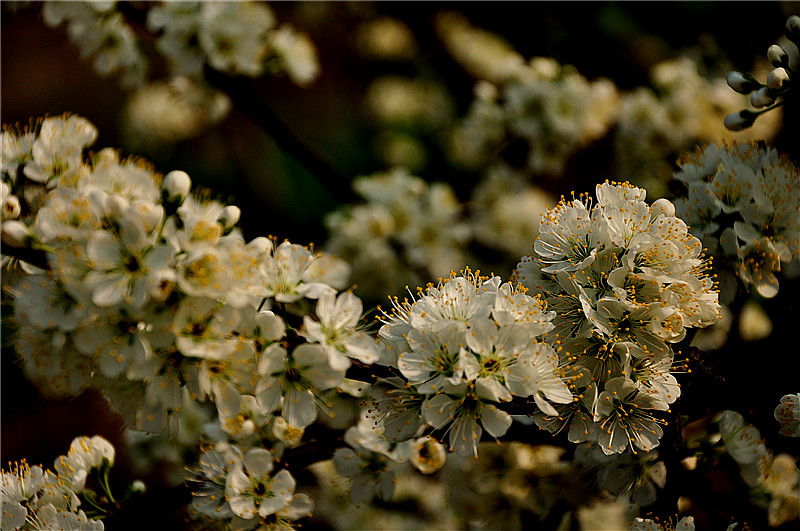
x=42, y=73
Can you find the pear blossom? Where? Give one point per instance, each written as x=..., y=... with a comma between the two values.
x=745, y=198
x=337, y=330
x=623, y=418
x=295, y=381
x=459, y=409
x=124, y=265
x=251, y=490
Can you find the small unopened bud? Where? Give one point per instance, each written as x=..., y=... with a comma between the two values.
x=742, y=83
x=793, y=29
x=148, y=215
x=777, y=78
x=98, y=198
x=260, y=246
x=740, y=120
x=11, y=207
x=763, y=97
x=138, y=486
x=777, y=56
x=663, y=206
x=16, y=234
x=486, y=91
x=176, y=186
x=229, y=216
x=428, y=455
x=163, y=282
x=115, y=207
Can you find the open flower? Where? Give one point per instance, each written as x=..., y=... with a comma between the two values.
x=460, y=408
x=298, y=379
x=337, y=330
x=251, y=490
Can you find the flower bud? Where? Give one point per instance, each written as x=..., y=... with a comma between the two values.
x=147, y=215
x=98, y=198
x=176, y=186
x=793, y=29
x=16, y=234
x=777, y=56
x=11, y=208
x=428, y=455
x=740, y=120
x=229, y=216
x=742, y=83
x=163, y=283
x=115, y=207
x=763, y=97
x=662, y=206
x=260, y=246
x=777, y=78
x=486, y=91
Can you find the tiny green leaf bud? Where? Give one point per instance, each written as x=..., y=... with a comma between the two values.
x=777, y=78
x=763, y=97
x=16, y=234
x=742, y=83
x=229, y=216
x=138, y=487
x=777, y=56
x=740, y=120
x=176, y=186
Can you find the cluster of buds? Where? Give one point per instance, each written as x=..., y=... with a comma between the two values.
x=784, y=58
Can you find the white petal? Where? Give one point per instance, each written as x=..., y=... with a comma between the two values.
x=299, y=409
x=258, y=462
x=495, y=420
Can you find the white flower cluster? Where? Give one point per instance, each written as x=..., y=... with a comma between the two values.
x=36, y=498
x=680, y=108
x=625, y=280
x=482, y=53
x=509, y=483
x=553, y=112
x=407, y=230
x=243, y=488
x=151, y=294
x=551, y=108
x=505, y=210
x=99, y=30
x=743, y=201
x=784, y=57
x=235, y=37
x=167, y=111
x=787, y=413
x=774, y=480
x=464, y=347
